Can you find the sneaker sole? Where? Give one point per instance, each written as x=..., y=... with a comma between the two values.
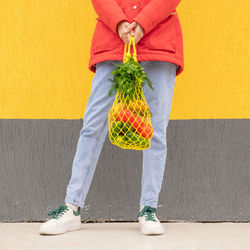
x=61, y=230
x=151, y=232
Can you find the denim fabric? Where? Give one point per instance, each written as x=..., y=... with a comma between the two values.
x=95, y=129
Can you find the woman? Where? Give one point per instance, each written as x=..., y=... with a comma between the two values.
x=156, y=28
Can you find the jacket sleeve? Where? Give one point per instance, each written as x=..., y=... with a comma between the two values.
x=109, y=12
x=155, y=12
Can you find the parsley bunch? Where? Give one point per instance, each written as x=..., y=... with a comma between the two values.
x=127, y=77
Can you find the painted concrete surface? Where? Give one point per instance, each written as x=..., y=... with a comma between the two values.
x=206, y=177
x=127, y=236
x=44, y=63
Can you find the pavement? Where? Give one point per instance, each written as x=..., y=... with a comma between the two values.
x=127, y=236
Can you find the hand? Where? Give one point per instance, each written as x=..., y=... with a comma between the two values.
x=123, y=31
x=138, y=31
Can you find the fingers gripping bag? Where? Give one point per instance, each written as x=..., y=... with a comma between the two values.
x=129, y=119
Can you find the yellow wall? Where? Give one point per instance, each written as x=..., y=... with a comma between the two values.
x=44, y=52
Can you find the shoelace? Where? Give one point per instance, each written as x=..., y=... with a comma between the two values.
x=149, y=212
x=56, y=213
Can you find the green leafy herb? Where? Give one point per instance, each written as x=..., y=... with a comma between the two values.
x=127, y=77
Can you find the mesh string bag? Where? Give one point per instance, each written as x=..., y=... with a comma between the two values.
x=129, y=119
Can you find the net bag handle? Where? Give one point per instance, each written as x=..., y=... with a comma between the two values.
x=127, y=54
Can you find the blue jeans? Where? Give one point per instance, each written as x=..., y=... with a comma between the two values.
x=95, y=129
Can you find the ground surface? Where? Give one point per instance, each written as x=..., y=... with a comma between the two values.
x=127, y=236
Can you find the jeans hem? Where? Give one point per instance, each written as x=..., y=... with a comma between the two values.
x=74, y=201
x=151, y=204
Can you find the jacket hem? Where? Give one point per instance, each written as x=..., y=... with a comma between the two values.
x=141, y=57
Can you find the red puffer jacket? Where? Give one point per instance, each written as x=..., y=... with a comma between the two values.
x=162, y=40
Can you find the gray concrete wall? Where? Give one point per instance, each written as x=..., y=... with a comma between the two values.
x=206, y=178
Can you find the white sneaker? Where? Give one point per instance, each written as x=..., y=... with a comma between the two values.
x=63, y=219
x=148, y=221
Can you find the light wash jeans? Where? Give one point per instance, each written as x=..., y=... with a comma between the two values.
x=95, y=129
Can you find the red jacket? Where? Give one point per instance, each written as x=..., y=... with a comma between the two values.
x=162, y=40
